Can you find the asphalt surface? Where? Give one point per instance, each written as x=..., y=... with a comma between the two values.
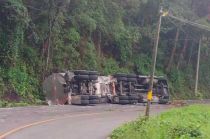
x=68, y=122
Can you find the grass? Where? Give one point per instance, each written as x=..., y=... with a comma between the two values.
x=191, y=122
x=7, y=104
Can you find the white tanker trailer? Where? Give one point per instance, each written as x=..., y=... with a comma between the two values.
x=83, y=87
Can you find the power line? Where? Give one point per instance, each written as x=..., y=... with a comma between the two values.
x=34, y=8
x=177, y=25
x=204, y=27
x=188, y=22
x=189, y=39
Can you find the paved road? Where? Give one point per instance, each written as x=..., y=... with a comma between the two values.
x=68, y=122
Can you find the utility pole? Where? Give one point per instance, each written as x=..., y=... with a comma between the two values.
x=198, y=66
x=202, y=27
x=154, y=59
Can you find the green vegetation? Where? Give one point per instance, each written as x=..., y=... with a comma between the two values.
x=192, y=122
x=39, y=37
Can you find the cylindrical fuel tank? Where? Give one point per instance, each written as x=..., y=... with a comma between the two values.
x=54, y=89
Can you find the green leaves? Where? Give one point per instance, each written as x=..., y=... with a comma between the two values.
x=90, y=57
x=108, y=35
x=21, y=82
x=143, y=64
x=86, y=23
x=110, y=66
x=73, y=36
x=14, y=21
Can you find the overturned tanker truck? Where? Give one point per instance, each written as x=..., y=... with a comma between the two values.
x=83, y=87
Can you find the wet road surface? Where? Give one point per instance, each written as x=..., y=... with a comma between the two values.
x=68, y=122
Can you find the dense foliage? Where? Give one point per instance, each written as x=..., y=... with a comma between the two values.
x=38, y=37
x=185, y=123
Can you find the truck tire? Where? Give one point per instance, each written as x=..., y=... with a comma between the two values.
x=141, y=101
x=85, y=102
x=81, y=77
x=93, y=97
x=131, y=76
x=84, y=97
x=163, y=102
x=131, y=79
x=124, y=102
x=121, y=79
x=103, y=99
x=133, y=97
x=123, y=97
x=81, y=72
x=94, y=101
x=93, y=77
x=133, y=101
x=93, y=73
x=115, y=100
x=120, y=75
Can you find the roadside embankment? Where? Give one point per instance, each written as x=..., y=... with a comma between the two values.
x=185, y=123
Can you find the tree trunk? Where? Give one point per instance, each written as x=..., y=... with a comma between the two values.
x=97, y=41
x=99, y=44
x=190, y=57
x=198, y=67
x=181, y=57
x=49, y=36
x=173, y=51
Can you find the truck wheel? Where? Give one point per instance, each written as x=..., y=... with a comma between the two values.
x=132, y=80
x=120, y=75
x=121, y=79
x=133, y=97
x=163, y=102
x=85, y=102
x=124, y=102
x=131, y=75
x=94, y=101
x=93, y=73
x=84, y=97
x=81, y=72
x=133, y=101
x=93, y=97
x=103, y=100
x=123, y=97
x=140, y=101
x=93, y=77
x=115, y=100
x=81, y=77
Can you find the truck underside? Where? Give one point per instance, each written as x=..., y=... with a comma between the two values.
x=83, y=87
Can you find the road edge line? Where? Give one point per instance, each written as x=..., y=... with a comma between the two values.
x=14, y=130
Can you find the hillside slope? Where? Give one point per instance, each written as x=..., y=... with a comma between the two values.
x=38, y=37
